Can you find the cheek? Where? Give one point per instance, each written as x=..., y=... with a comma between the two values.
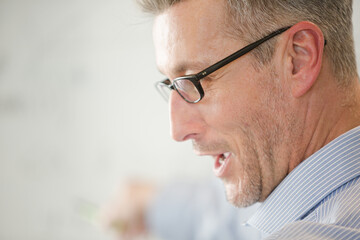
x=230, y=108
x=235, y=101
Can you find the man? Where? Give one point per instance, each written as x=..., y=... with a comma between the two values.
x=280, y=117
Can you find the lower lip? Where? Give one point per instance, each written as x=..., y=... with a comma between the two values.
x=220, y=169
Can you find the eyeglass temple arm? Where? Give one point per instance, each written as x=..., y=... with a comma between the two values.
x=238, y=54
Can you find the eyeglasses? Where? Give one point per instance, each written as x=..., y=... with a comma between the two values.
x=189, y=87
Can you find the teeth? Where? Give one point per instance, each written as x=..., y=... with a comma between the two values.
x=221, y=159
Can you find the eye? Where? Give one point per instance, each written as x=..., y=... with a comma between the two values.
x=208, y=81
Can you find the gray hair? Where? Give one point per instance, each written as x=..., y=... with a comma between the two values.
x=252, y=19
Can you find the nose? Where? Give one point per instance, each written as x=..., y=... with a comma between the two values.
x=185, y=118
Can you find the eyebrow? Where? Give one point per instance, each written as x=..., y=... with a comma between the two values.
x=182, y=67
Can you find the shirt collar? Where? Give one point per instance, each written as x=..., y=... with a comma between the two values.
x=310, y=182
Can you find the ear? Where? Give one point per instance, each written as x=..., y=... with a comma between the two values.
x=305, y=50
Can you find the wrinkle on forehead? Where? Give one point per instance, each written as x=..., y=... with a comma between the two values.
x=187, y=34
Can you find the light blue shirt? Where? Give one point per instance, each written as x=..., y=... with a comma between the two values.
x=319, y=199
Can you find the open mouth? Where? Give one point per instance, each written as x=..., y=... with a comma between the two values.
x=221, y=163
x=222, y=157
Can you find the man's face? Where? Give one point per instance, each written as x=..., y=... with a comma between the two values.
x=241, y=119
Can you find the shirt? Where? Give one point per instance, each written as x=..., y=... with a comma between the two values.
x=319, y=199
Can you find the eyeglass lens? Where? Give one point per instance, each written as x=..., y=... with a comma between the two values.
x=164, y=90
x=187, y=89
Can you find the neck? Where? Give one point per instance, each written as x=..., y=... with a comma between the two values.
x=330, y=113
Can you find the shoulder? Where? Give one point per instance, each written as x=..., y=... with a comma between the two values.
x=303, y=230
x=342, y=207
x=336, y=217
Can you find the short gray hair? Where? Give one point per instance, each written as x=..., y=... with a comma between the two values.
x=252, y=19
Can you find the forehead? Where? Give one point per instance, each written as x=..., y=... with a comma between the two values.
x=189, y=34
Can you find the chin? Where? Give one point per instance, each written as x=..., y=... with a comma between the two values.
x=242, y=195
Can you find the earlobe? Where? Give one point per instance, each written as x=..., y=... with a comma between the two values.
x=305, y=50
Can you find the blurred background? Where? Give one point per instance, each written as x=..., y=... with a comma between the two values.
x=79, y=114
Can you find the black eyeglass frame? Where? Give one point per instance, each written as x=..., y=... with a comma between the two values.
x=195, y=78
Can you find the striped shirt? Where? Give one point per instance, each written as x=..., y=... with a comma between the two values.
x=319, y=199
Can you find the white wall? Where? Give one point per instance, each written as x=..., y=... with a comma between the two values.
x=79, y=114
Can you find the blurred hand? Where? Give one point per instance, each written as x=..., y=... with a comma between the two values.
x=125, y=214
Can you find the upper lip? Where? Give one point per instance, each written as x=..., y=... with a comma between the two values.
x=202, y=150
x=211, y=154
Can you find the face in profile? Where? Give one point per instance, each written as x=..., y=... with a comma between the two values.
x=241, y=120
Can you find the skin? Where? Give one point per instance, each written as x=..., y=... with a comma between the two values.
x=270, y=118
